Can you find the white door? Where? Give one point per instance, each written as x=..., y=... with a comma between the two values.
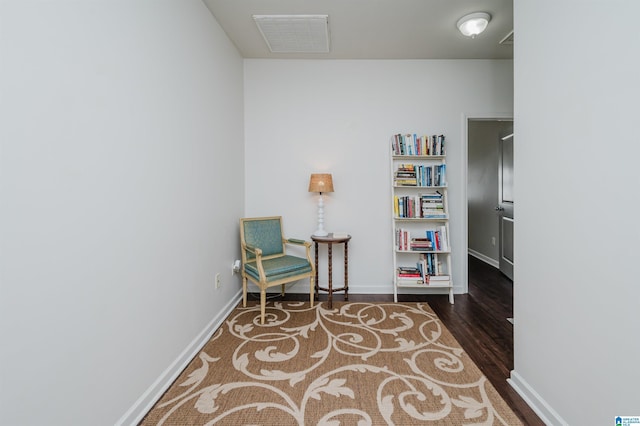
x=505, y=205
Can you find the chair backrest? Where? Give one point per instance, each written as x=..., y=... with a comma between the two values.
x=264, y=233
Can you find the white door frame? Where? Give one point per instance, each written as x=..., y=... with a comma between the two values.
x=465, y=172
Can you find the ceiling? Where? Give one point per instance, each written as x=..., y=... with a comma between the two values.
x=375, y=29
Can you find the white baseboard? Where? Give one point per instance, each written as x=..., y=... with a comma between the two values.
x=547, y=414
x=485, y=259
x=142, y=406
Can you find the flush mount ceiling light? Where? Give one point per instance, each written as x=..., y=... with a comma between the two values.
x=473, y=24
x=294, y=33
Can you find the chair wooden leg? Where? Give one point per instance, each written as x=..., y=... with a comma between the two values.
x=263, y=304
x=244, y=292
x=283, y=290
x=312, y=290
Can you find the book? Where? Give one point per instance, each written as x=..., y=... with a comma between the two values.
x=409, y=281
x=406, y=182
x=444, y=238
x=420, y=244
x=408, y=269
x=439, y=277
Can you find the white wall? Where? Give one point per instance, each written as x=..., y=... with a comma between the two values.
x=338, y=117
x=577, y=231
x=121, y=180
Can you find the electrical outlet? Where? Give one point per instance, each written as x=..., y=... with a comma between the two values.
x=493, y=241
x=235, y=267
x=218, y=283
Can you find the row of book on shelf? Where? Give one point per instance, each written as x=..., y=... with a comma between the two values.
x=420, y=175
x=412, y=144
x=431, y=240
x=429, y=206
x=428, y=270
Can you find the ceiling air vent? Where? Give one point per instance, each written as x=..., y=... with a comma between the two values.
x=508, y=39
x=295, y=33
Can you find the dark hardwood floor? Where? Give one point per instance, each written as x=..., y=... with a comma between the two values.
x=478, y=320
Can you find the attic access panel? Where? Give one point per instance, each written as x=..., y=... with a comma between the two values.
x=294, y=33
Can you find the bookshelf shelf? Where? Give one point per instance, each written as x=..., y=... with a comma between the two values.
x=422, y=251
x=420, y=219
x=419, y=157
x=418, y=186
x=420, y=214
x=414, y=284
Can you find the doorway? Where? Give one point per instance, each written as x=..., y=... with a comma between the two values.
x=490, y=191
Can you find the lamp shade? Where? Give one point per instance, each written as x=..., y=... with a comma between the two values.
x=473, y=24
x=321, y=182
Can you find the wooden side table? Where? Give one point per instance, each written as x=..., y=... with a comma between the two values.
x=329, y=240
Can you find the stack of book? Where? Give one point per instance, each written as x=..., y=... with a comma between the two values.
x=432, y=205
x=405, y=175
x=420, y=244
x=437, y=280
x=410, y=274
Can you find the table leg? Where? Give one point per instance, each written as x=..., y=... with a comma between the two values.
x=316, y=284
x=329, y=255
x=346, y=271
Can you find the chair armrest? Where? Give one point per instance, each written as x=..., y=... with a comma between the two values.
x=307, y=246
x=257, y=258
x=296, y=241
x=255, y=250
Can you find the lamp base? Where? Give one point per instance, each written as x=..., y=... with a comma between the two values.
x=320, y=232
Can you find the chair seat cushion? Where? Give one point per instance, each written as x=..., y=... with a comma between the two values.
x=279, y=267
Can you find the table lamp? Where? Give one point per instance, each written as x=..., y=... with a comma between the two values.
x=321, y=182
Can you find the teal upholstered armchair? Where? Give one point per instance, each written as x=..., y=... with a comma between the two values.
x=265, y=261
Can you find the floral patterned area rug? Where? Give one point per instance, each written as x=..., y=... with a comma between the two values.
x=355, y=364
